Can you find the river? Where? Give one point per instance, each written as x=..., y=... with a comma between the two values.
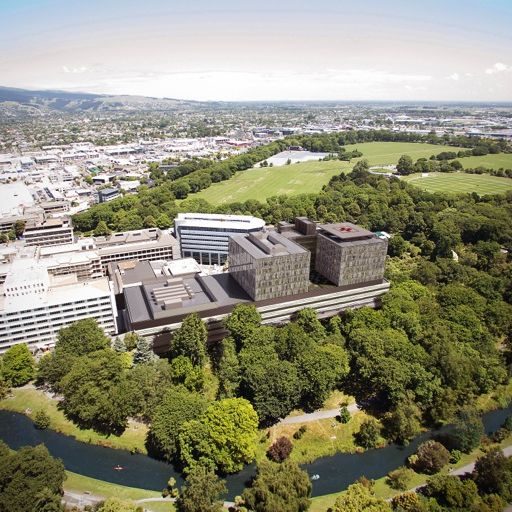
x=336, y=472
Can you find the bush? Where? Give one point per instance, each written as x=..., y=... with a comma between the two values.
x=280, y=449
x=399, y=478
x=344, y=416
x=508, y=423
x=455, y=456
x=500, y=435
x=41, y=420
x=302, y=430
x=432, y=457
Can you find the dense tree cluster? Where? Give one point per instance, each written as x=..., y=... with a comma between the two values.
x=30, y=480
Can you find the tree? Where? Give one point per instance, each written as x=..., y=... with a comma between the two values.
x=80, y=338
x=149, y=222
x=184, y=372
x=222, y=437
x=467, y=431
x=47, y=501
x=280, y=449
x=368, y=434
x=319, y=371
x=202, y=492
x=228, y=369
x=431, y=457
x=453, y=493
x=493, y=474
x=397, y=246
x=190, y=340
x=18, y=366
x=28, y=477
x=147, y=385
x=278, y=488
x=403, y=423
x=19, y=228
x=177, y=407
x=96, y=393
x=41, y=420
x=144, y=352
x=358, y=498
x=118, y=505
x=102, y=229
x=408, y=502
x=163, y=221
x=345, y=415
x=272, y=386
x=119, y=345
x=308, y=321
x=399, y=478
x=242, y=322
x=405, y=165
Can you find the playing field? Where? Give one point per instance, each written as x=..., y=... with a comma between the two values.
x=460, y=182
x=306, y=177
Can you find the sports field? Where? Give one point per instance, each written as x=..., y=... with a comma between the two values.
x=306, y=177
x=460, y=182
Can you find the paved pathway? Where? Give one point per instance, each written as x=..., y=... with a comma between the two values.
x=317, y=415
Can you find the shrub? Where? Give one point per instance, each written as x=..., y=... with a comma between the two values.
x=432, y=456
x=500, y=435
x=508, y=423
x=280, y=449
x=344, y=416
x=41, y=420
x=455, y=456
x=399, y=478
x=407, y=502
x=302, y=430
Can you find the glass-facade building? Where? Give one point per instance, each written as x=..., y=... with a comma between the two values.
x=205, y=237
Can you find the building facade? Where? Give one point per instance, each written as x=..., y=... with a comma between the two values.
x=50, y=232
x=347, y=254
x=268, y=265
x=35, y=305
x=205, y=237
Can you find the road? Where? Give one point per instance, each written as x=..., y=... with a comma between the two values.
x=317, y=415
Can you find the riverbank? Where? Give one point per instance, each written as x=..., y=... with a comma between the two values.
x=383, y=490
x=28, y=400
x=89, y=489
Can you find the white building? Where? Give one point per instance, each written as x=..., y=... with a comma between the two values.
x=35, y=305
x=205, y=236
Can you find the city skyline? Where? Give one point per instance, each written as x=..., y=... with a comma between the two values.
x=296, y=51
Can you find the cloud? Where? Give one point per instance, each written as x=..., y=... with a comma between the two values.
x=78, y=70
x=499, y=67
x=453, y=76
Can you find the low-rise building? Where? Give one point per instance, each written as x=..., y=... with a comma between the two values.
x=142, y=244
x=49, y=232
x=108, y=194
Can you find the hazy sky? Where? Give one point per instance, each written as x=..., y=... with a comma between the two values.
x=261, y=50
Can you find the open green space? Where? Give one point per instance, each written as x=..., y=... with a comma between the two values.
x=460, y=182
x=28, y=400
x=309, y=177
x=490, y=161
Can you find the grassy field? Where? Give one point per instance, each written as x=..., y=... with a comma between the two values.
x=306, y=177
x=490, y=161
x=28, y=399
x=79, y=484
x=460, y=182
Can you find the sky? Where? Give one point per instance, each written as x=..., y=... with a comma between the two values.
x=235, y=50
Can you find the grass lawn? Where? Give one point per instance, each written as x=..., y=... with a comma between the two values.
x=490, y=161
x=80, y=483
x=322, y=437
x=308, y=177
x=460, y=182
x=32, y=399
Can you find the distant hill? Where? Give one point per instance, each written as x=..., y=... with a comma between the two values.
x=14, y=101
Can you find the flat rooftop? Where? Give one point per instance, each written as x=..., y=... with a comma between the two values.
x=215, y=220
x=133, y=237
x=182, y=296
x=345, y=231
x=267, y=244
